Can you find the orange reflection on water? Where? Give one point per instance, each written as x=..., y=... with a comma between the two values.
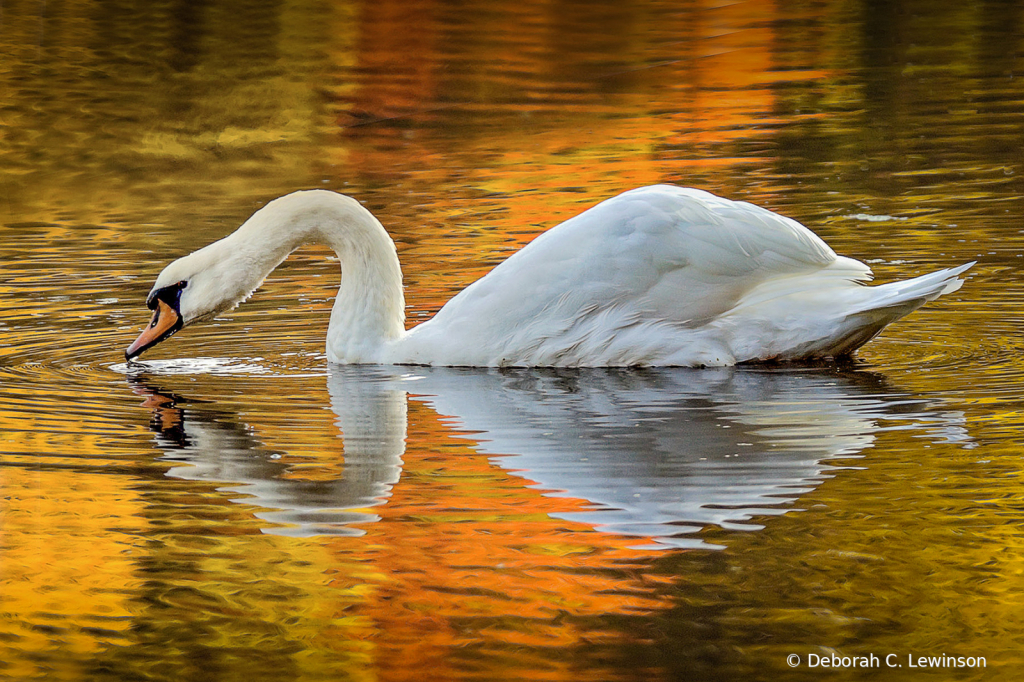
x=549, y=154
x=470, y=555
x=463, y=554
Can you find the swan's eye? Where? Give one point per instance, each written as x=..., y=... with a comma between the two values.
x=182, y=284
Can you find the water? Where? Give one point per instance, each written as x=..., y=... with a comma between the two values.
x=236, y=509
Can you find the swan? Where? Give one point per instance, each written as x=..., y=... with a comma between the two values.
x=656, y=276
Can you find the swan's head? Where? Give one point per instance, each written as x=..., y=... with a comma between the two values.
x=196, y=287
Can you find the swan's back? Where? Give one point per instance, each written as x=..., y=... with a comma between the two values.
x=631, y=281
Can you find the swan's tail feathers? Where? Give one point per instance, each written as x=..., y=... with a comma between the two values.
x=910, y=294
x=890, y=302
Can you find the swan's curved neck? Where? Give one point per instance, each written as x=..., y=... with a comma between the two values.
x=369, y=311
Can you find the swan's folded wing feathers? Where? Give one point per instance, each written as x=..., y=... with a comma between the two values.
x=663, y=254
x=722, y=250
x=741, y=229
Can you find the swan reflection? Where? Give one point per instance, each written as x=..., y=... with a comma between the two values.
x=656, y=454
x=212, y=446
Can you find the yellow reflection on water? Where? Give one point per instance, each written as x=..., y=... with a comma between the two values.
x=70, y=552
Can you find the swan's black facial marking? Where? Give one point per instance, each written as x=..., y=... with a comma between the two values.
x=171, y=295
x=167, y=320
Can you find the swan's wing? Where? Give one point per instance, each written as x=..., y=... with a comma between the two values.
x=657, y=254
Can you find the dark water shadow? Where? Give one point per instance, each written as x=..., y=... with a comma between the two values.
x=655, y=454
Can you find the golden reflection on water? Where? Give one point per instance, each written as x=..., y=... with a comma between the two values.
x=145, y=534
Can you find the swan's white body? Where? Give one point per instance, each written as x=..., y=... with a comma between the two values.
x=656, y=276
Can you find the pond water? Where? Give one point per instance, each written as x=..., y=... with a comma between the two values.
x=235, y=508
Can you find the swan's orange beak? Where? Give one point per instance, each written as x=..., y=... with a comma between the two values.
x=165, y=322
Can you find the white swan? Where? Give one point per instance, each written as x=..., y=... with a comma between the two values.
x=659, y=275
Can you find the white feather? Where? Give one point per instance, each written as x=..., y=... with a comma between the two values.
x=659, y=275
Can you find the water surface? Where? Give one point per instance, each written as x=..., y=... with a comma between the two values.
x=234, y=508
